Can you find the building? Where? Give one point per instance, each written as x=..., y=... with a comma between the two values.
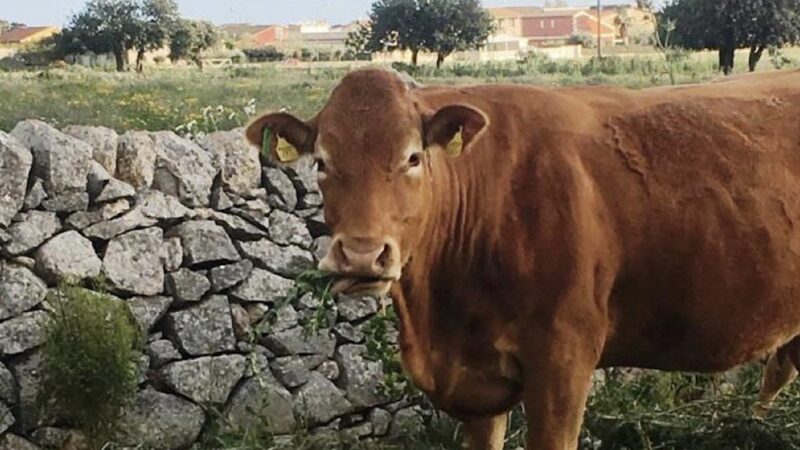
x=552, y=26
x=27, y=35
x=249, y=36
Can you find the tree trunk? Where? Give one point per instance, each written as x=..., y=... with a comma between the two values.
x=440, y=60
x=119, y=59
x=726, y=59
x=755, y=56
x=140, y=60
x=414, y=54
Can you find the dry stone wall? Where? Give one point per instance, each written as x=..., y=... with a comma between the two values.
x=200, y=241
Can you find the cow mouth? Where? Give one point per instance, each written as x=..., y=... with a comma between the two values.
x=356, y=284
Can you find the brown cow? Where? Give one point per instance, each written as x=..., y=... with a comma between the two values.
x=578, y=228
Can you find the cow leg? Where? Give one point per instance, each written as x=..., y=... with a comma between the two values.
x=485, y=434
x=781, y=370
x=557, y=383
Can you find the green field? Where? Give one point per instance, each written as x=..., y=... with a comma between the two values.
x=165, y=98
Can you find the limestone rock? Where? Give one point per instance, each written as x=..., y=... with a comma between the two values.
x=147, y=311
x=380, y=420
x=158, y=420
x=262, y=400
x=183, y=169
x=157, y=205
x=8, y=387
x=318, y=401
x=6, y=418
x=136, y=159
x=69, y=202
x=290, y=371
x=353, y=308
x=22, y=333
x=132, y=262
x=203, y=241
x=115, y=189
x=187, y=286
x=280, y=188
x=262, y=286
x=103, y=141
x=20, y=290
x=83, y=219
x=131, y=220
x=288, y=229
x=360, y=378
x=60, y=160
x=161, y=352
x=203, y=329
x=13, y=442
x=230, y=275
x=27, y=371
x=15, y=165
x=97, y=178
x=288, y=261
x=237, y=161
x=172, y=254
x=29, y=230
x=207, y=379
x=67, y=255
x=295, y=341
x=36, y=194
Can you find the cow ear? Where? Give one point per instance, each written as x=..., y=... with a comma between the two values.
x=281, y=137
x=455, y=128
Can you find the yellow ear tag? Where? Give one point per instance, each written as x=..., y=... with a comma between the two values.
x=454, y=147
x=286, y=151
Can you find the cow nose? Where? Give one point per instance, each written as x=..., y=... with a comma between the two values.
x=362, y=256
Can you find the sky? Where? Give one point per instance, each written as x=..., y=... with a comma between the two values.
x=56, y=12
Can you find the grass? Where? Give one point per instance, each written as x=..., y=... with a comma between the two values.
x=223, y=98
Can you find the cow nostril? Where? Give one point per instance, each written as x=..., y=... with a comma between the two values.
x=383, y=258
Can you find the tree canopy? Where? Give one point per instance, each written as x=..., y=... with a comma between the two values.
x=190, y=38
x=731, y=24
x=438, y=26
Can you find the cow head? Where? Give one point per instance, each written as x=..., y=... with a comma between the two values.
x=372, y=143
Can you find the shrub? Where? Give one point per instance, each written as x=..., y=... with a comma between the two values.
x=89, y=361
x=263, y=54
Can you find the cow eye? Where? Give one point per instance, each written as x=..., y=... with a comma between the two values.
x=320, y=165
x=415, y=160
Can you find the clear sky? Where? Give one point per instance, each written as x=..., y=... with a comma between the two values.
x=56, y=12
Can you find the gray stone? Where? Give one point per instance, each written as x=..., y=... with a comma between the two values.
x=60, y=160
x=317, y=226
x=187, y=286
x=15, y=166
x=258, y=363
x=8, y=387
x=356, y=432
x=115, y=189
x=260, y=401
x=318, y=401
x=346, y=333
x=131, y=220
x=23, y=261
x=13, y=442
x=183, y=169
x=207, y=379
x=237, y=161
x=142, y=366
x=320, y=247
x=162, y=352
x=51, y=437
x=203, y=241
x=83, y=219
x=309, y=301
x=27, y=371
x=380, y=420
x=256, y=311
x=29, y=230
x=36, y=195
x=290, y=371
x=258, y=218
x=220, y=200
x=230, y=275
x=158, y=420
x=288, y=261
x=6, y=418
x=97, y=179
x=103, y=141
x=262, y=286
x=147, y=311
x=360, y=378
x=304, y=176
x=238, y=227
x=257, y=194
x=20, y=290
x=407, y=422
x=157, y=205
x=288, y=229
x=310, y=200
x=296, y=341
x=132, y=262
x=69, y=202
x=286, y=318
x=67, y=255
x=22, y=332
x=172, y=254
x=136, y=159
x=330, y=370
x=203, y=329
x=280, y=188
x=353, y=308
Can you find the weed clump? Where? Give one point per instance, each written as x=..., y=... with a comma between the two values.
x=89, y=362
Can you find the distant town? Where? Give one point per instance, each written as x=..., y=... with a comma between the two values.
x=561, y=32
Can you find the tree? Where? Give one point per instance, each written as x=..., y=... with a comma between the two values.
x=457, y=25
x=731, y=24
x=6, y=25
x=156, y=22
x=190, y=39
x=439, y=26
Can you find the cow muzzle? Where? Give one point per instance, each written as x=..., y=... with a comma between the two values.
x=362, y=265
